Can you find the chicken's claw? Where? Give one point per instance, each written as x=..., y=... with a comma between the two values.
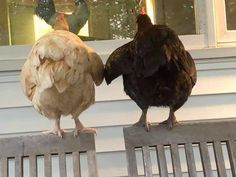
x=170, y=123
x=58, y=132
x=146, y=125
x=84, y=130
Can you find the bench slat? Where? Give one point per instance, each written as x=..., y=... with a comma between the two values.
x=18, y=167
x=131, y=162
x=62, y=164
x=161, y=158
x=205, y=159
x=48, y=165
x=147, y=161
x=4, y=167
x=33, y=166
x=76, y=164
x=176, y=160
x=232, y=156
x=219, y=158
x=190, y=160
x=92, y=163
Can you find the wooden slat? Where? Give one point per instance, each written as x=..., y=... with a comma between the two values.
x=232, y=156
x=76, y=164
x=33, y=166
x=131, y=162
x=18, y=166
x=50, y=144
x=161, y=158
x=47, y=165
x=190, y=160
x=147, y=161
x=176, y=160
x=4, y=167
x=219, y=158
x=205, y=159
x=185, y=132
x=92, y=163
x=62, y=164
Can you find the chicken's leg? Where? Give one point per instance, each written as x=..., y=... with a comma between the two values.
x=79, y=127
x=143, y=121
x=171, y=121
x=56, y=129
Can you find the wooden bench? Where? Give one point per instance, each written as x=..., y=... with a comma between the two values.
x=47, y=146
x=189, y=136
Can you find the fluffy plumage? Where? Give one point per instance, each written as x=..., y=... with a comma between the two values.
x=156, y=69
x=58, y=77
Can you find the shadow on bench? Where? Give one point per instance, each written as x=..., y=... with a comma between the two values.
x=46, y=146
x=189, y=136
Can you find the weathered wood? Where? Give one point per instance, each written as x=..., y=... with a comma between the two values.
x=76, y=164
x=47, y=165
x=161, y=158
x=221, y=170
x=190, y=160
x=232, y=156
x=175, y=160
x=18, y=166
x=205, y=159
x=147, y=161
x=11, y=147
x=62, y=164
x=92, y=163
x=52, y=144
x=46, y=145
x=4, y=167
x=185, y=132
x=132, y=162
x=33, y=166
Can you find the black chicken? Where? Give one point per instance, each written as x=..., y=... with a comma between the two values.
x=156, y=69
x=46, y=10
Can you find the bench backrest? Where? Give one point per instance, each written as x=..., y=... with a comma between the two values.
x=46, y=146
x=187, y=135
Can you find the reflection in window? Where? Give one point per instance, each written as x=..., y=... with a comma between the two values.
x=108, y=19
x=177, y=14
x=230, y=14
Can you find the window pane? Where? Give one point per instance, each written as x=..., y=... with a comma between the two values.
x=230, y=14
x=178, y=14
x=108, y=19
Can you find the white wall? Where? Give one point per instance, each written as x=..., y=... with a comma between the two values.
x=214, y=97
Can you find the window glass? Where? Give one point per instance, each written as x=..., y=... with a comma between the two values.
x=178, y=14
x=231, y=14
x=107, y=19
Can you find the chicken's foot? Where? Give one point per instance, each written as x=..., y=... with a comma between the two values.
x=143, y=121
x=171, y=122
x=79, y=127
x=56, y=129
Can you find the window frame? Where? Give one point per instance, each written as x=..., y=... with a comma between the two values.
x=225, y=37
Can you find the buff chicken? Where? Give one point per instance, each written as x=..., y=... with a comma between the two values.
x=59, y=74
x=156, y=70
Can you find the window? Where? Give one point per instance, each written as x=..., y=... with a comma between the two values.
x=108, y=19
x=230, y=6
x=199, y=23
x=225, y=22
x=179, y=15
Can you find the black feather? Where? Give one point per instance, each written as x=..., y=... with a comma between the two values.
x=45, y=9
x=119, y=62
